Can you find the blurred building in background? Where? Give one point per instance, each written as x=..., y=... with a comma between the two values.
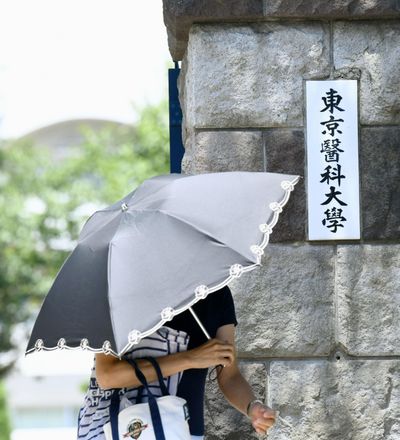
x=67, y=134
x=44, y=407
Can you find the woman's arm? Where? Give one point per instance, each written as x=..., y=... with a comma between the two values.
x=237, y=390
x=112, y=372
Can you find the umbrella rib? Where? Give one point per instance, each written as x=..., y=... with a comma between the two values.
x=138, y=197
x=106, y=223
x=202, y=231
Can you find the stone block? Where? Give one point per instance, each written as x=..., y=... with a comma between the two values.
x=222, y=420
x=180, y=14
x=380, y=182
x=224, y=151
x=335, y=399
x=284, y=153
x=286, y=306
x=332, y=9
x=240, y=76
x=368, y=289
x=374, y=48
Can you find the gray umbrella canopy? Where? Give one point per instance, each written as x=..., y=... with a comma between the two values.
x=156, y=252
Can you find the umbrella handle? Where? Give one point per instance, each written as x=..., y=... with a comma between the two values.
x=199, y=322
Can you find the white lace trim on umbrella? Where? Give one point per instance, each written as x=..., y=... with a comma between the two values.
x=201, y=292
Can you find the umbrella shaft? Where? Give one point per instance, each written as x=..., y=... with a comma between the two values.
x=199, y=322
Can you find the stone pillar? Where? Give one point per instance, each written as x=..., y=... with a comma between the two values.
x=319, y=323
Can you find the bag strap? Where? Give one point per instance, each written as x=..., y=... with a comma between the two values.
x=139, y=395
x=156, y=366
x=114, y=410
x=154, y=410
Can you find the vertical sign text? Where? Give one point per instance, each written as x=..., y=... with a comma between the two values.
x=332, y=160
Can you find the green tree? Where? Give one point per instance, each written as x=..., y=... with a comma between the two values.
x=5, y=425
x=44, y=203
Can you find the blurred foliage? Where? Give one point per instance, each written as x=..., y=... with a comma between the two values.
x=45, y=200
x=84, y=386
x=5, y=425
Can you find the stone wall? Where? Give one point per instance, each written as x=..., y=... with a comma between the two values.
x=319, y=323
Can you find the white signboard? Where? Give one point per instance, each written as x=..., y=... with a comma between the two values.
x=332, y=160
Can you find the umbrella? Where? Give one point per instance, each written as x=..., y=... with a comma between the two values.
x=152, y=255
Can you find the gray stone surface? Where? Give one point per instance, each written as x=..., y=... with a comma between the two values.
x=336, y=400
x=286, y=306
x=179, y=15
x=347, y=73
x=224, y=151
x=374, y=48
x=318, y=323
x=368, y=289
x=284, y=153
x=332, y=9
x=222, y=420
x=237, y=76
x=380, y=182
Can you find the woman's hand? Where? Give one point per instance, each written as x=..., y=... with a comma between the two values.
x=262, y=417
x=213, y=352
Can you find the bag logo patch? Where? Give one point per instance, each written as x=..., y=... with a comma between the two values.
x=135, y=428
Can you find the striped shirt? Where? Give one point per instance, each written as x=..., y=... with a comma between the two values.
x=94, y=413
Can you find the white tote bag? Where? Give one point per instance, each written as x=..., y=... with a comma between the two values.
x=95, y=411
x=161, y=418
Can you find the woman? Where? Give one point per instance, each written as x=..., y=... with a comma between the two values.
x=217, y=313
